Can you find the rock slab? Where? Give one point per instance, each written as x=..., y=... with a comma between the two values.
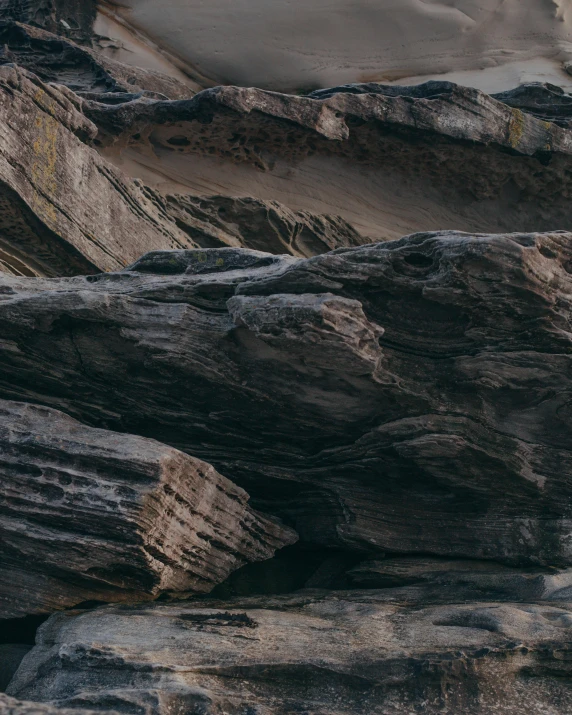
x=89, y=514
x=339, y=653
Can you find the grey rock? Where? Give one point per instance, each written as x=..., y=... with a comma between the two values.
x=405, y=397
x=88, y=514
x=431, y=580
x=74, y=18
x=11, y=706
x=322, y=652
x=219, y=221
x=84, y=70
x=335, y=115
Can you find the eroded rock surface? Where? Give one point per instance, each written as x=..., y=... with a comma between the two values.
x=334, y=653
x=63, y=209
x=219, y=221
x=11, y=706
x=410, y=396
x=390, y=160
x=89, y=514
x=82, y=69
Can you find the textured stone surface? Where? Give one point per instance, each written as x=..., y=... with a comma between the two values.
x=411, y=396
x=440, y=108
x=326, y=653
x=84, y=70
x=93, y=515
x=390, y=160
x=219, y=221
x=72, y=18
x=64, y=209
x=11, y=706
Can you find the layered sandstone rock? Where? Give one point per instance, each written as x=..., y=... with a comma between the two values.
x=89, y=514
x=332, y=653
x=390, y=160
x=400, y=409
x=63, y=209
x=84, y=70
x=408, y=396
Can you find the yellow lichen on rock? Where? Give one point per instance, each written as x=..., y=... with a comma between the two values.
x=516, y=127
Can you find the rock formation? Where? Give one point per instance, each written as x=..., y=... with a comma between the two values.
x=90, y=515
x=10, y=706
x=443, y=360
x=354, y=652
x=285, y=378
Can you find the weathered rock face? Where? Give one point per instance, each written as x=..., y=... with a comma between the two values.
x=400, y=410
x=72, y=18
x=63, y=209
x=405, y=397
x=390, y=160
x=89, y=514
x=339, y=653
x=10, y=706
x=223, y=221
x=82, y=69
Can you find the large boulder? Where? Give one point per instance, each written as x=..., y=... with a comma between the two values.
x=403, y=397
x=89, y=514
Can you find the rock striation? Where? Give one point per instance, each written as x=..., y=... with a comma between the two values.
x=390, y=160
x=84, y=70
x=10, y=706
x=353, y=300
x=91, y=515
x=63, y=209
x=402, y=397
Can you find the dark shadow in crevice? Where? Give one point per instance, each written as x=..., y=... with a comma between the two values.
x=292, y=568
x=21, y=630
x=17, y=636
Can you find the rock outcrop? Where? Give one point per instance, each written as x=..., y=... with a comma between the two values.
x=63, y=209
x=11, y=706
x=341, y=653
x=403, y=397
x=390, y=160
x=224, y=221
x=90, y=515
x=82, y=69
x=198, y=281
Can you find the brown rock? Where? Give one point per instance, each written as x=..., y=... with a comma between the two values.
x=64, y=209
x=88, y=514
x=402, y=397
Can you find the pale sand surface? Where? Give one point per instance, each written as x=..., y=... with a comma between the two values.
x=301, y=44
x=381, y=204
